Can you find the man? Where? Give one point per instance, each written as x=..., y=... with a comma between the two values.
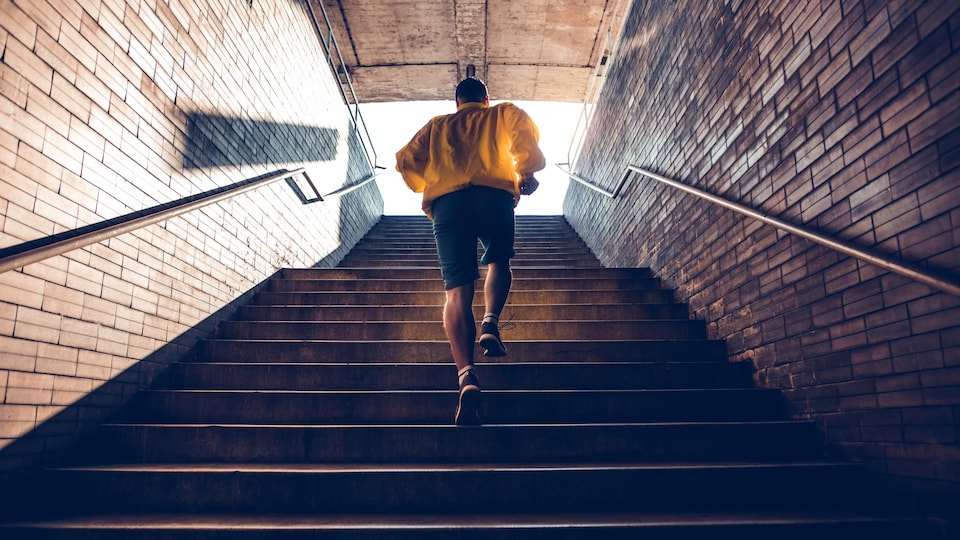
x=472, y=166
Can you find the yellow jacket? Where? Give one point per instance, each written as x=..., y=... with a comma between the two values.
x=477, y=145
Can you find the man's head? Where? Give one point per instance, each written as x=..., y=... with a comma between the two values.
x=472, y=90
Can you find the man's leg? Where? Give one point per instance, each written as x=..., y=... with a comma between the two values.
x=497, y=239
x=496, y=288
x=461, y=332
x=453, y=228
x=459, y=324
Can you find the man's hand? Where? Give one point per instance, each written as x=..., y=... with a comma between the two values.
x=528, y=185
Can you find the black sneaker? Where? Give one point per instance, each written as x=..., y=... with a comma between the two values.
x=490, y=340
x=468, y=408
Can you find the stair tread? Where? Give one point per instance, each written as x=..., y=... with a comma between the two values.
x=506, y=341
x=481, y=364
x=481, y=429
x=438, y=320
x=486, y=391
x=354, y=468
x=459, y=521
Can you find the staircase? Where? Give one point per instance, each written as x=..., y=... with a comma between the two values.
x=325, y=410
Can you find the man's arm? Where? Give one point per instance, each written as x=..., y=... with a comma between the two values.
x=526, y=151
x=412, y=160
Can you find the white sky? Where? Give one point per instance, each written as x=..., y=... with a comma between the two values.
x=391, y=126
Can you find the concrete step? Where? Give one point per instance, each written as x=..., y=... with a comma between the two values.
x=426, y=226
x=432, y=298
x=521, y=250
x=537, y=247
x=512, y=376
x=439, y=489
x=437, y=406
x=433, y=330
x=427, y=241
x=434, y=273
x=529, y=246
x=430, y=244
x=556, y=312
x=432, y=262
x=773, y=441
x=361, y=352
x=739, y=524
x=431, y=284
x=521, y=227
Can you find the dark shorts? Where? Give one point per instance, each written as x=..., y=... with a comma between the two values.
x=463, y=217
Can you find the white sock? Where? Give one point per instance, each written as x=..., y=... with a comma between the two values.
x=491, y=317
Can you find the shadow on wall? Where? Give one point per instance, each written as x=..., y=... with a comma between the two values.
x=57, y=437
x=214, y=141
x=223, y=141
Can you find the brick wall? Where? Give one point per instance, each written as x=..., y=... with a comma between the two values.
x=840, y=115
x=108, y=107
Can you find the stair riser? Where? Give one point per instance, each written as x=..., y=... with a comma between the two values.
x=437, y=407
x=426, y=234
x=543, y=245
x=404, y=248
x=521, y=256
x=619, y=489
x=521, y=234
x=438, y=297
x=448, y=444
x=504, y=528
x=433, y=330
x=439, y=351
x=559, y=312
x=427, y=262
x=434, y=273
x=409, y=285
x=538, y=246
x=275, y=376
x=524, y=232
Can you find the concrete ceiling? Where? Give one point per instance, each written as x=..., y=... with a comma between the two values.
x=409, y=50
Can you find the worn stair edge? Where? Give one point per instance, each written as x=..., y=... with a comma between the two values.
x=433, y=376
x=719, y=441
x=675, y=329
x=570, y=526
x=435, y=488
x=555, y=312
x=431, y=284
x=648, y=296
x=399, y=272
x=435, y=406
x=439, y=351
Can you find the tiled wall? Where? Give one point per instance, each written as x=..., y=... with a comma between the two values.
x=111, y=107
x=840, y=115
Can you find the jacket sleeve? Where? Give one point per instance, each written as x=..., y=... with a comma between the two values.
x=412, y=160
x=525, y=149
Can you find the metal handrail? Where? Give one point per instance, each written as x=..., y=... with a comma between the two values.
x=353, y=187
x=58, y=244
x=331, y=47
x=943, y=283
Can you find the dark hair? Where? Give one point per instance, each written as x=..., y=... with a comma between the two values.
x=471, y=90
